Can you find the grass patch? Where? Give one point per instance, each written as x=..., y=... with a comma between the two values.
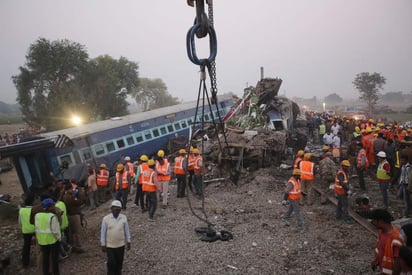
x=11, y=119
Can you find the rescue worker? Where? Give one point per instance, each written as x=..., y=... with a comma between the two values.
x=139, y=199
x=298, y=159
x=102, y=181
x=164, y=175
x=27, y=229
x=149, y=181
x=383, y=176
x=190, y=167
x=388, y=243
x=48, y=235
x=180, y=173
x=293, y=195
x=307, y=176
x=122, y=186
x=322, y=131
x=198, y=173
x=114, y=238
x=325, y=150
x=64, y=226
x=404, y=181
x=129, y=168
x=327, y=170
x=362, y=164
x=342, y=189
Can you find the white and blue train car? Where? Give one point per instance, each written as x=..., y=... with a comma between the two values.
x=109, y=141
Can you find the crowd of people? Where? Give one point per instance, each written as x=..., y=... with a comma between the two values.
x=55, y=219
x=380, y=151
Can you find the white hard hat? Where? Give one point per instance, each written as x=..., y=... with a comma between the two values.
x=381, y=154
x=127, y=158
x=116, y=203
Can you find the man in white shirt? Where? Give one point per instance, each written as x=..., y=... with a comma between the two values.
x=114, y=237
x=328, y=138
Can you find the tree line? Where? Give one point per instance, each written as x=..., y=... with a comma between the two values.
x=59, y=80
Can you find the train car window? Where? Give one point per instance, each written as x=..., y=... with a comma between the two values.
x=183, y=124
x=110, y=147
x=85, y=154
x=120, y=143
x=147, y=135
x=66, y=159
x=170, y=128
x=216, y=114
x=206, y=117
x=99, y=149
x=189, y=122
x=163, y=130
x=177, y=126
x=155, y=132
x=139, y=138
x=130, y=140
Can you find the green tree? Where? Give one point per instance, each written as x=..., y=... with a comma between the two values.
x=152, y=94
x=369, y=86
x=333, y=99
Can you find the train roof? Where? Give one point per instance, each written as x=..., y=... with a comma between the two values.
x=115, y=122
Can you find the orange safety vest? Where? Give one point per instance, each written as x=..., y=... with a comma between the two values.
x=338, y=188
x=297, y=162
x=162, y=169
x=306, y=170
x=147, y=179
x=198, y=168
x=125, y=182
x=295, y=192
x=191, y=162
x=361, y=154
x=130, y=168
x=395, y=239
x=142, y=167
x=179, y=165
x=102, y=178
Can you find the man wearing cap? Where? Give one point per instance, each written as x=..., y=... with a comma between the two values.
x=327, y=170
x=48, y=235
x=180, y=172
x=139, y=198
x=102, y=180
x=383, y=176
x=298, y=159
x=149, y=180
x=198, y=173
x=388, y=243
x=122, y=186
x=293, y=194
x=362, y=164
x=114, y=238
x=129, y=168
x=164, y=175
x=307, y=176
x=341, y=189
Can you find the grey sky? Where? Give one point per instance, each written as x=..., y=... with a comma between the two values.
x=316, y=46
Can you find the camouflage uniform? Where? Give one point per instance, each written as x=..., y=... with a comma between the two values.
x=327, y=171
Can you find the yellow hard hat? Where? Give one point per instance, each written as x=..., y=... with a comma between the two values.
x=120, y=167
x=307, y=156
x=357, y=129
x=300, y=153
x=103, y=165
x=195, y=151
x=191, y=149
x=325, y=148
x=151, y=162
x=295, y=172
x=144, y=158
x=160, y=153
x=182, y=151
x=368, y=129
x=345, y=163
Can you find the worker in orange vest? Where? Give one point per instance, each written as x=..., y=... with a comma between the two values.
x=138, y=181
x=298, y=159
x=342, y=189
x=190, y=168
x=122, y=186
x=180, y=172
x=149, y=183
x=102, y=180
x=198, y=173
x=307, y=176
x=129, y=167
x=293, y=195
x=163, y=177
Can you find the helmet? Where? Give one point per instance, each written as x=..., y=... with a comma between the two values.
x=307, y=156
x=195, y=151
x=296, y=172
x=119, y=167
x=160, y=153
x=368, y=129
x=191, y=149
x=325, y=148
x=300, y=153
x=381, y=154
x=357, y=129
x=103, y=165
x=182, y=151
x=127, y=158
x=151, y=162
x=144, y=158
x=345, y=163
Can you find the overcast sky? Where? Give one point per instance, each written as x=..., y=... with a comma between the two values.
x=315, y=46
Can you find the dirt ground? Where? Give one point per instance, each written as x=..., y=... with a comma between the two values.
x=251, y=211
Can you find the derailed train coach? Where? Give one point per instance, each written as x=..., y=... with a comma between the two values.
x=66, y=154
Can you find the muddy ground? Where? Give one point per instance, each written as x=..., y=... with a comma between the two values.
x=251, y=211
